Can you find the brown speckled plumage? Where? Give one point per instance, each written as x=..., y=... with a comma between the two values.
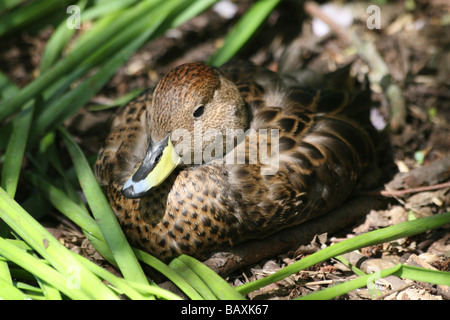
x=324, y=144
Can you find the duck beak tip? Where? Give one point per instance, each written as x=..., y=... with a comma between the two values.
x=152, y=173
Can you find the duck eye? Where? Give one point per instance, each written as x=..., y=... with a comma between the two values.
x=199, y=111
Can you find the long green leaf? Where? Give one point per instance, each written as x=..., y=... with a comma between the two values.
x=16, y=139
x=119, y=283
x=218, y=286
x=37, y=237
x=76, y=213
x=57, y=42
x=65, y=205
x=32, y=292
x=50, y=293
x=40, y=269
x=75, y=58
x=102, y=9
x=9, y=4
x=192, y=278
x=243, y=31
x=343, y=288
x=16, y=149
x=4, y=272
x=26, y=14
x=400, y=230
x=400, y=270
x=172, y=275
x=7, y=88
x=123, y=254
x=122, y=49
x=10, y=292
x=424, y=275
x=195, y=8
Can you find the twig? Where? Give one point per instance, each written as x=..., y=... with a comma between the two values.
x=314, y=10
x=318, y=283
x=396, y=193
x=380, y=70
x=384, y=295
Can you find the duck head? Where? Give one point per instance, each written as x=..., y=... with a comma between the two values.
x=192, y=105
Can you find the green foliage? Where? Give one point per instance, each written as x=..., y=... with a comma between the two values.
x=32, y=117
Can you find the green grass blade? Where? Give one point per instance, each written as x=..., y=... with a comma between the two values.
x=74, y=100
x=48, y=155
x=173, y=276
x=57, y=42
x=99, y=27
x=133, y=290
x=144, y=24
x=76, y=213
x=40, y=269
x=345, y=262
x=50, y=293
x=4, y=272
x=71, y=102
x=6, y=281
x=424, y=275
x=70, y=205
x=32, y=292
x=400, y=230
x=123, y=100
x=65, y=205
x=161, y=18
x=192, y=278
x=243, y=31
x=20, y=244
x=16, y=149
x=119, y=283
x=102, y=248
x=195, y=8
x=28, y=287
x=9, y=4
x=123, y=254
x=75, y=58
x=218, y=286
x=26, y=14
x=102, y=9
x=156, y=291
x=17, y=138
x=9, y=292
x=343, y=288
x=48, y=247
x=400, y=270
x=7, y=88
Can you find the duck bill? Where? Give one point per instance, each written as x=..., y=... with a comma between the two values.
x=159, y=162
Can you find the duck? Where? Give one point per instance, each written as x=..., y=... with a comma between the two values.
x=216, y=156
